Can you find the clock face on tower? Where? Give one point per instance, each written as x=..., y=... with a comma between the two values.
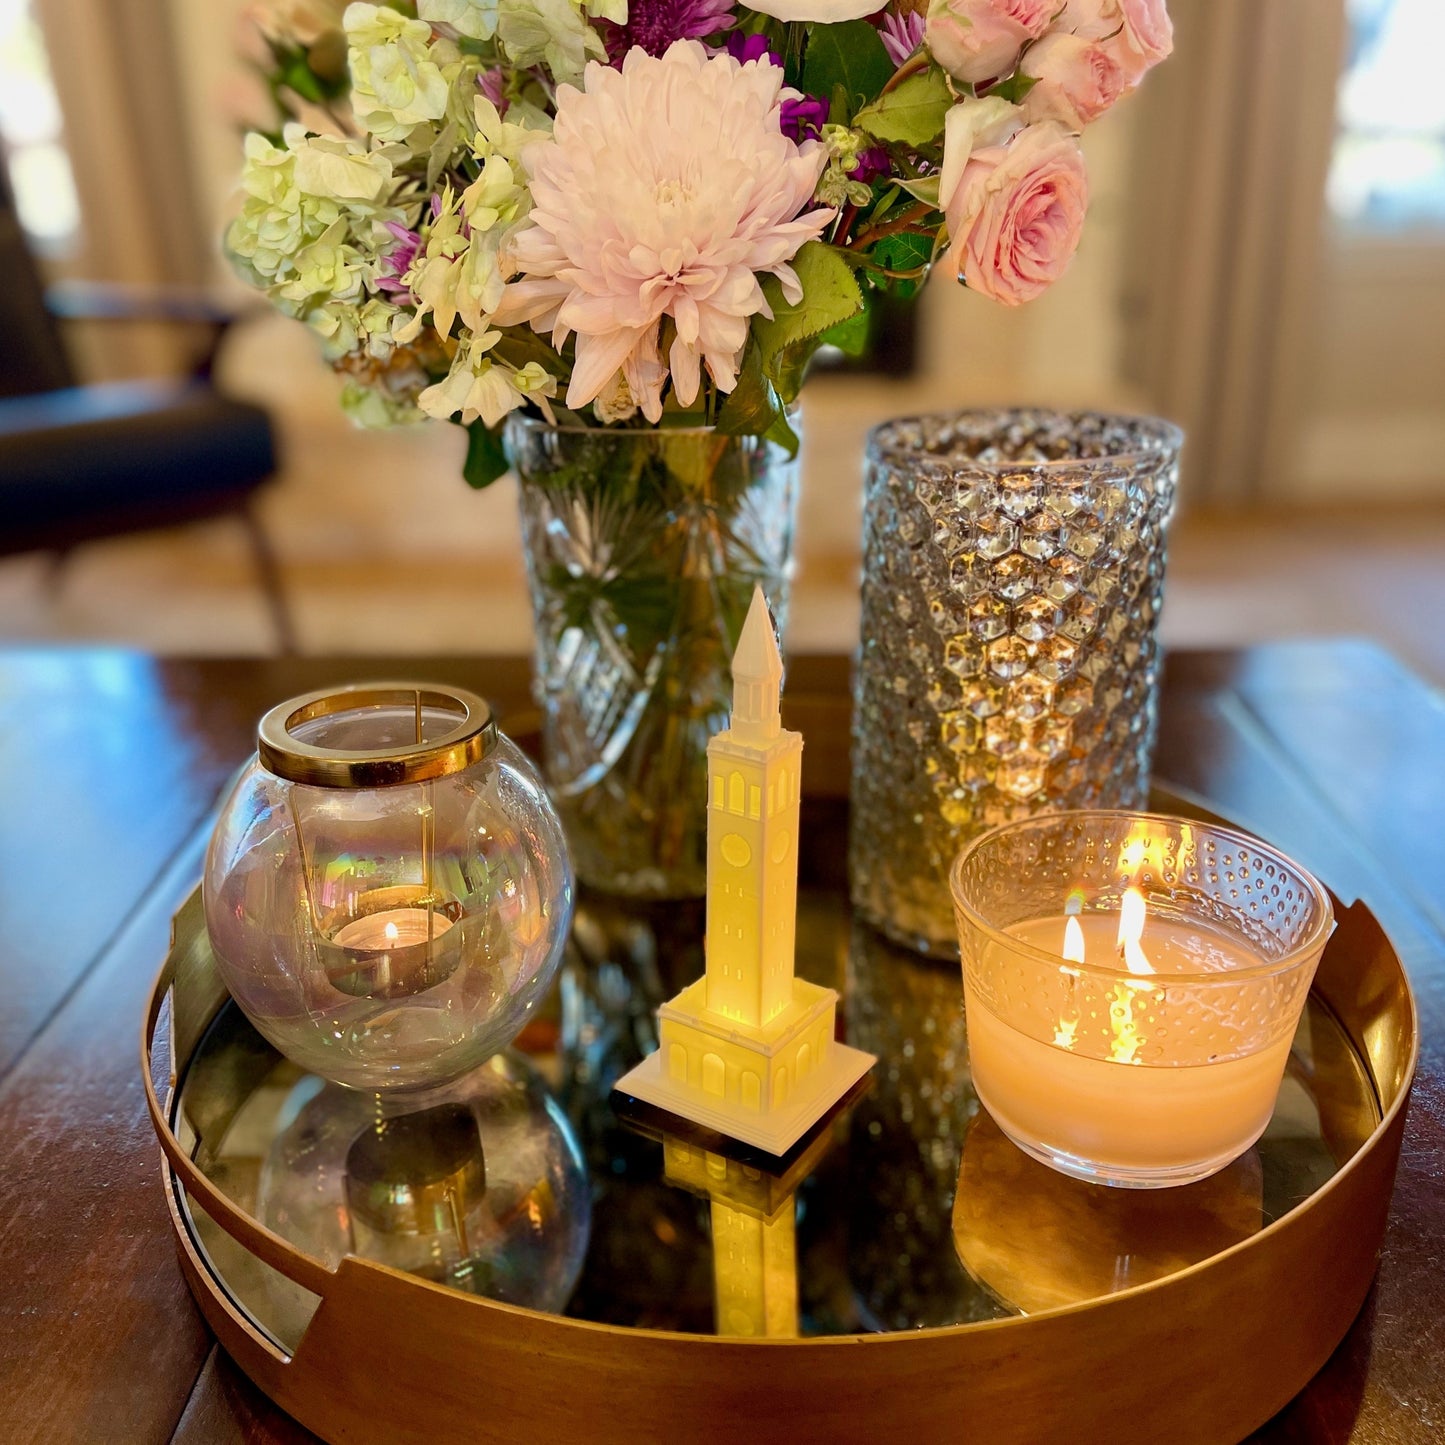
x=735, y=850
x=782, y=842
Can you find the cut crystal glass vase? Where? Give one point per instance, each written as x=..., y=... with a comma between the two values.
x=643, y=547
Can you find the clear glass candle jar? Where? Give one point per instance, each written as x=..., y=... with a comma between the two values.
x=387, y=890
x=1132, y=984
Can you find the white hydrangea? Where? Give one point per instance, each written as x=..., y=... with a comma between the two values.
x=476, y=19
x=554, y=33
x=295, y=192
x=348, y=326
x=399, y=76
x=376, y=406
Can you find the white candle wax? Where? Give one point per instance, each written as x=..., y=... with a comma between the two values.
x=391, y=928
x=1154, y=1106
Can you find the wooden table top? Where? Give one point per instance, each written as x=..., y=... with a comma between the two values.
x=110, y=766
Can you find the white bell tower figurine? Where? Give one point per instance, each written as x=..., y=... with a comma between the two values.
x=748, y=1049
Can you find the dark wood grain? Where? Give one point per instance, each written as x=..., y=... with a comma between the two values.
x=1338, y=755
x=109, y=765
x=98, y=1339
x=225, y=1408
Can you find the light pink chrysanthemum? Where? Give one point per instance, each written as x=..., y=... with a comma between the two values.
x=666, y=190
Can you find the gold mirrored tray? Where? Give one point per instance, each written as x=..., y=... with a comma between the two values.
x=905, y=1269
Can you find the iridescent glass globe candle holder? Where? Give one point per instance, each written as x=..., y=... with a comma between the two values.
x=387, y=890
x=1132, y=984
x=482, y=1188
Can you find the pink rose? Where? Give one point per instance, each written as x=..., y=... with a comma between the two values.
x=977, y=40
x=1090, y=19
x=1148, y=30
x=1016, y=210
x=1075, y=80
x=1137, y=33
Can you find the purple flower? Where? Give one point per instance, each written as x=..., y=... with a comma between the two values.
x=397, y=262
x=901, y=35
x=492, y=84
x=803, y=117
x=870, y=164
x=744, y=48
x=652, y=25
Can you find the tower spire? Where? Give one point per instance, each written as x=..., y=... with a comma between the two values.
x=757, y=676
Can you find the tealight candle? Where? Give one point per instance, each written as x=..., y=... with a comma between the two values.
x=392, y=952
x=1132, y=985
x=392, y=928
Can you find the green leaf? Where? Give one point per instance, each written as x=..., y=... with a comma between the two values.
x=912, y=114
x=486, y=457
x=440, y=155
x=830, y=295
x=296, y=75
x=520, y=345
x=925, y=188
x=850, y=336
x=782, y=432
x=1014, y=88
x=850, y=55
x=789, y=368
x=883, y=203
x=903, y=252
x=752, y=406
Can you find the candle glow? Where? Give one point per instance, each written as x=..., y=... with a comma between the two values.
x=1194, y=990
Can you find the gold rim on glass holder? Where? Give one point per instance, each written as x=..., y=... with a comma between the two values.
x=470, y=739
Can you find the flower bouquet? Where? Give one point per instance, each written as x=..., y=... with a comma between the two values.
x=629, y=225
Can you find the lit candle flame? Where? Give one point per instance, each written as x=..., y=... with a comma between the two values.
x=391, y=932
x=1132, y=914
x=1066, y=1030
x=1073, y=941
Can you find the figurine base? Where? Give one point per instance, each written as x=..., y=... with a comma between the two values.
x=774, y=1130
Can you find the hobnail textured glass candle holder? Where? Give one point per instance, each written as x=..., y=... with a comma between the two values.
x=1141, y=1063
x=387, y=890
x=1013, y=568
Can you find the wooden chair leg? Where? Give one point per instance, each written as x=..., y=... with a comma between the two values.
x=55, y=573
x=269, y=573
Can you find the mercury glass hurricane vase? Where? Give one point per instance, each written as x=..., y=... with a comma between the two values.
x=643, y=547
x=1013, y=570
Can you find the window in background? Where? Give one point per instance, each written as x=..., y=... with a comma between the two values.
x=31, y=142
x=1388, y=168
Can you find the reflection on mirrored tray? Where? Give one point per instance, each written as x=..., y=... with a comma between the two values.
x=905, y=1210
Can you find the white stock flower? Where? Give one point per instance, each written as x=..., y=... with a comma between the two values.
x=482, y=388
x=457, y=271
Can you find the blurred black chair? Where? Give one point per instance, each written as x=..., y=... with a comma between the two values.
x=82, y=462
